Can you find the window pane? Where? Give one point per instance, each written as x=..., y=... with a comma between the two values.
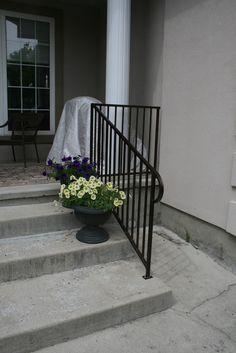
x=28, y=98
x=42, y=57
x=43, y=77
x=28, y=76
x=12, y=28
x=14, y=98
x=43, y=99
x=28, y=52
x=11, y=115
x=45, y=125
x=27, y=29
x=13, y=75
x=13, y=51
x=42, y=32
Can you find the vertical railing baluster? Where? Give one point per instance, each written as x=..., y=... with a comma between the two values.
x=106, y=152
x=156, y=139
x=150, y=134
x=139, y=201
x=99, y=146
x=122, y=121
x=150, y=228
x=102, y=150
x=136, y=128
x=91, y=133
x=124, y=173
x=145, y=212
x=128, y=187
x=133, y=198
x=95, y=137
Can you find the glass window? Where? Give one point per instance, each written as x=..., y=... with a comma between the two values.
x=28, y=66
x=42, y=32
x=14, y=98
x=13, y=75
x=28, y=76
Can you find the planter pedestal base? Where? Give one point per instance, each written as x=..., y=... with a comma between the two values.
x=92, y=235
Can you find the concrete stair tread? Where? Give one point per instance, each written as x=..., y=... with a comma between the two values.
x=35, y=255
x=37, y=218
x=40, y=312
x=28, y=191
x=48, y=244
x=10, y=213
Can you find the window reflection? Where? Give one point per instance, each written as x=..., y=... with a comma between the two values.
x=28, y=72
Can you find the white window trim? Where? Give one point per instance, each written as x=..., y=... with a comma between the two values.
x=3, y=68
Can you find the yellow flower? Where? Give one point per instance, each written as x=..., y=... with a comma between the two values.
x=122, y=195
x=80, y=194
x=109, y=185
x=73, y=192
x=93, y=197
x=72, y=177
x=116, y=202
x=92, y=178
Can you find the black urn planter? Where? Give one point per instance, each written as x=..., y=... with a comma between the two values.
x=93, y=218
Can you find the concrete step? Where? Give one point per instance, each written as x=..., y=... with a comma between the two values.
x=35, y=219
x=40, y=312
x=36, y=255
x=28, y=194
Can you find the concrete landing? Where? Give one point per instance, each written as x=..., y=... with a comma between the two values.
x=40, y=312
x=36, y=255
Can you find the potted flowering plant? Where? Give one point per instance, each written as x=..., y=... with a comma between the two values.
x=77, y=166
x=93, y=202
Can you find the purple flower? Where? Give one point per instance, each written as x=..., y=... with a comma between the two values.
x=50, y=162
x=63, y=159
x=44, y=173
x=85, y=160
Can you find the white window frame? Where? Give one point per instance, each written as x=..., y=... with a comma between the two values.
x=3, y=68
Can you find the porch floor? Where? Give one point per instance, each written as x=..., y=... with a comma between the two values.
x=13, y=174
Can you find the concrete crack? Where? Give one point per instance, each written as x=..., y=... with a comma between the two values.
x=212, y=298
x=200, y=321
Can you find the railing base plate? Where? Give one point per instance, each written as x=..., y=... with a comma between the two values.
x=147, y=277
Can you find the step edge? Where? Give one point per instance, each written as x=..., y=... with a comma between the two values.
x=164, y=299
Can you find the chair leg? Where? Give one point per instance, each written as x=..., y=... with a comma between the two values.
x=13, y=152
x=37, y=153
x=24, y=156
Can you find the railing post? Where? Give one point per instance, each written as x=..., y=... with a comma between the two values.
x=150, y=229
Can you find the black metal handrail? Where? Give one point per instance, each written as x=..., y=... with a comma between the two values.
x=119, y=161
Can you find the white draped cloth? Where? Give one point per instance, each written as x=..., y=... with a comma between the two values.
x=73, y=133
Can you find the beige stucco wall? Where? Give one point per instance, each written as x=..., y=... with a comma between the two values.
x=199, y=107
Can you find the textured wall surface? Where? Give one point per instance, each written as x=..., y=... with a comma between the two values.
x=199, y=107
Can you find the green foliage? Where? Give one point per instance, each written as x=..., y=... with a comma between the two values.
x=92, y=193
